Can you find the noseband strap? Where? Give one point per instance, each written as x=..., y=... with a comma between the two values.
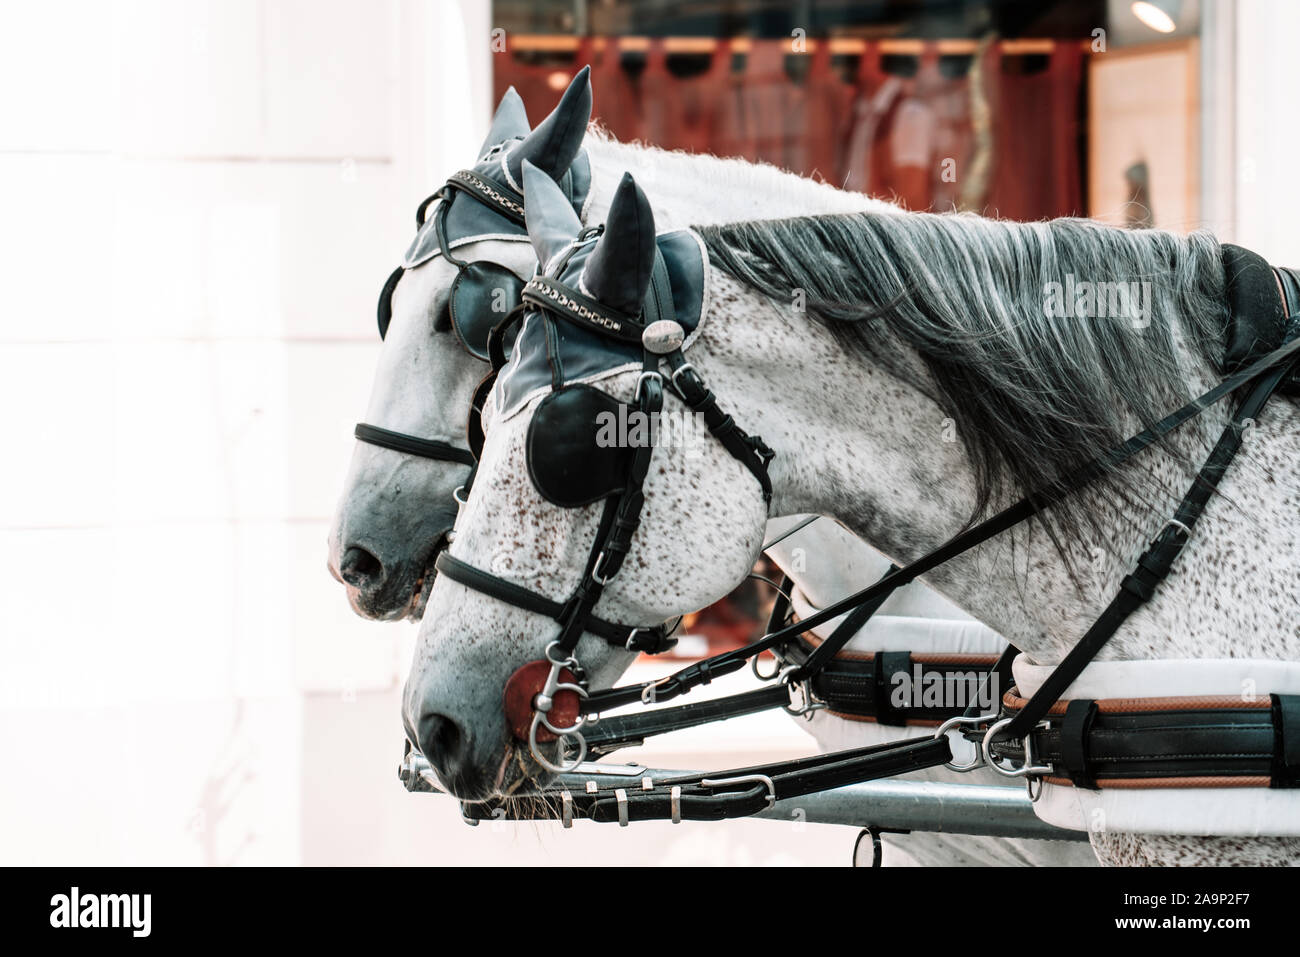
x=412, y=444
x=652, y=641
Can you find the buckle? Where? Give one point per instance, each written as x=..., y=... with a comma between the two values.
x=695, y=376
x=636, y=395
x=595, y=571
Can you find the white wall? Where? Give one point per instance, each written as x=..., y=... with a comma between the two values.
x=1267, y=137
x=199, y=201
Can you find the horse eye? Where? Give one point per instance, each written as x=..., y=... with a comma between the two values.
x=442, y=321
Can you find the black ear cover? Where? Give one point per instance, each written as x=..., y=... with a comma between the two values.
x=573, y=451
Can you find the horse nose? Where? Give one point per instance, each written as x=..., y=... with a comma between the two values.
x=444, y=743
x=359, y=567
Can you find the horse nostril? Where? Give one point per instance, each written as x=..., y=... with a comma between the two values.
x=359, y=567
x=442, y=742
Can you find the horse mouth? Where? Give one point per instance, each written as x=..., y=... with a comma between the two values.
x=423, y=586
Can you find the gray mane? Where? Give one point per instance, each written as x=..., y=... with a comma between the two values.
x=1032, y=396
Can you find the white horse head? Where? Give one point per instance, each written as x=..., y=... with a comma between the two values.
x=930, y=377
x=396, y=507
x=470, y=644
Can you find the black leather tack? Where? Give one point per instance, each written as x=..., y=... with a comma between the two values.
x=1257, y=321
x=888, y=664
x=1079, y=716
x=1286, y=747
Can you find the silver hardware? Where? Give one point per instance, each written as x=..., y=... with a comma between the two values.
x=636, y=395
x=663, y=337
x=566, y=808
x=647, y=784
x=809, y=704
x=680, y=369
x=953, y=723
x=429, y=778
x=753, y=666
x=620, y=796
x=472, y=822
x=1174, y=523
x=675, y=803
x=562, y=735
x=595, y=572
x=648, y=692
x=744, y=779
x=542, y=704
x=1029, y=769
x=592, y=787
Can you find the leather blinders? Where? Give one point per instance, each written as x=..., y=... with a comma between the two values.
x=482, y=294
x=385, y=311
x=575, y=449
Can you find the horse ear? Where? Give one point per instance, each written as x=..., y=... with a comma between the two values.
x=618, y=272
x=554, y=145
x=552, y=223
x=509, y=121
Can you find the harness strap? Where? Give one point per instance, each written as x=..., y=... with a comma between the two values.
x=752, y=451
x=621, y=731
x=1285, y=772
x=412, y=445
x=1199, y=741
x=650, y=640
x=1154, y=565
x=843, y=634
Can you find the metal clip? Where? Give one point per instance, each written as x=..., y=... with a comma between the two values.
x=675, y=803
x=620, y=796
x=810, y=703
x=1029, y=769
x=566, y=809
x=744, y=779
x=957, y=722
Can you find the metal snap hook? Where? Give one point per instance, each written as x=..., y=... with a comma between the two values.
x=953, y=723
x=1029, y=769
x=545, y=762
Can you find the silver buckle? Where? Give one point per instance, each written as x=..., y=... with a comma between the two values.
x=679, y=370
x=595, y=571
x=636, y=394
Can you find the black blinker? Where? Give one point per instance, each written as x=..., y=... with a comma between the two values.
x=386, y=300
x=572, y=450
x=482, y=294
